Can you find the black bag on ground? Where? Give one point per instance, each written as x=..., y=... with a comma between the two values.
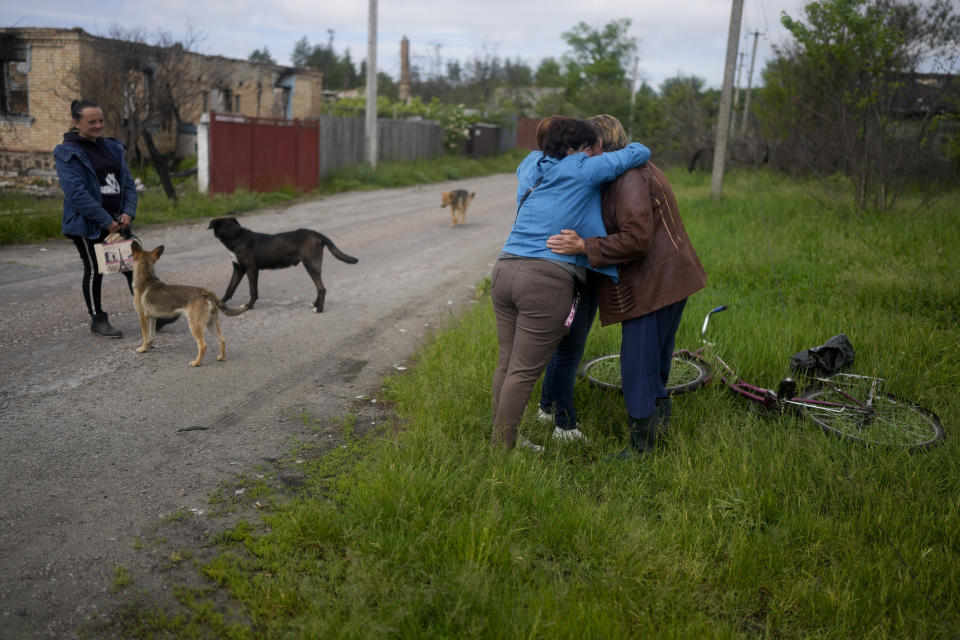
x=827, y=359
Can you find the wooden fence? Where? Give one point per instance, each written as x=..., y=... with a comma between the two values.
x=343, y=141
x=263, y=153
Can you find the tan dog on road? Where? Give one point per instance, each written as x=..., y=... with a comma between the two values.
x=458, y=201
x=154, y=299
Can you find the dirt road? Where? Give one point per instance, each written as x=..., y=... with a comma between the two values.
x=92, y=435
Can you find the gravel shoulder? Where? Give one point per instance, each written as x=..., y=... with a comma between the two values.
x=100, y=443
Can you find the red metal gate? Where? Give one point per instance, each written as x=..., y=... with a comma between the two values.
x=527, y=133
x=262, y=154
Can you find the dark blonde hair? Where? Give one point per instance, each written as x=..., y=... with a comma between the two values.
x=610, y=132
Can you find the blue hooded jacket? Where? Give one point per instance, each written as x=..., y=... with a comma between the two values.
x=568, y=197
x=83, y=212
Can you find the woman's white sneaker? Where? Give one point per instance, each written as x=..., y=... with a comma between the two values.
x=569, y=434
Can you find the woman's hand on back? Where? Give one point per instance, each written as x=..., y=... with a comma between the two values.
x=567, y=242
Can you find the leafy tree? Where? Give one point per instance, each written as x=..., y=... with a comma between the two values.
x=301, y=53
x=386, y=87
x=454, y=72
x=842, y=95
x=648, y=118
x=549, y=74
x=594, y=71
x=516, y=73
x=339, y=72
x=688, y=114
x=599, y=56
x=263, y=56
x=484, y=73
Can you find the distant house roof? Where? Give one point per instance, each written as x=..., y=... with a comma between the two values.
x=926, y=94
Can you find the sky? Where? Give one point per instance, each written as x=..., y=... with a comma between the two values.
x=674, y=37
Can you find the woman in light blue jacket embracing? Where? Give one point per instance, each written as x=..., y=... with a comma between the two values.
x=533, y=288
x=100, y=197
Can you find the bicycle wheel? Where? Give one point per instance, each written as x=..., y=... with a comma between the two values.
x=686, y=373
x=603, y=372
x=890, y=421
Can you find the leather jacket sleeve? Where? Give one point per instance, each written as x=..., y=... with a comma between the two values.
x=628, y=218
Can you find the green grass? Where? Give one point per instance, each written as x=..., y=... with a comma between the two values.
x=25, y=218
x=744, y=525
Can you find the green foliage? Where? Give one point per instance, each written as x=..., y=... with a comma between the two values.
x=845, y=78
x=689, y=116
x=594, y=72
x=549, y=74
x=599, y=56
x=339, y=72
x=743, y=524
x=455, y=119
x=261, y=56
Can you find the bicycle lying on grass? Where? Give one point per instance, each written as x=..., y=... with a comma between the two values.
x=854, y=407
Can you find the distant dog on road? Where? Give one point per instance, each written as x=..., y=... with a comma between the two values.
x=154, y=299
x=458, y=200
x=255, y=251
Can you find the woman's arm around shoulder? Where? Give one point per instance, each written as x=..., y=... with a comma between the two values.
x=607, y=166
x=631, y=236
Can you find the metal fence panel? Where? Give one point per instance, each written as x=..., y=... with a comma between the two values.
x=261, y=154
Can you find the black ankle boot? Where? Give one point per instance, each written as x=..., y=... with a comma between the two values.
x=643, y=435
x=666, y=408
x=101, y=326
x=162, y=322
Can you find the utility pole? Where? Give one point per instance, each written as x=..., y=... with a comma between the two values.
x=736, y=96
x=371, y=122
x=746, y=100
x=726, y=98
x=633, y=97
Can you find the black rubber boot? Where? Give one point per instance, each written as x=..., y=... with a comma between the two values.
x=162, y=322
x=666, y=408
x=643, y=435
x=101, y=326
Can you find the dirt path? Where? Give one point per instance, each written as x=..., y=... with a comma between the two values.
x=92, y=433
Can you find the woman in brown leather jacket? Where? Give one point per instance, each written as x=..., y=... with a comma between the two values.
x=659, y=270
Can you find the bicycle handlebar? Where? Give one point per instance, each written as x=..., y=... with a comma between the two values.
x=703, y=332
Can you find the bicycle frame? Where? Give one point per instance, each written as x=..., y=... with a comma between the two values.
x=851, y=406
x=784, y=397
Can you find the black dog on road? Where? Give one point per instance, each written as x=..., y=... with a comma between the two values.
x=255, y=251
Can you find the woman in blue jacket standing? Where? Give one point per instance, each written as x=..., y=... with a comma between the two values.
x=100, y=197
x=533, y=288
